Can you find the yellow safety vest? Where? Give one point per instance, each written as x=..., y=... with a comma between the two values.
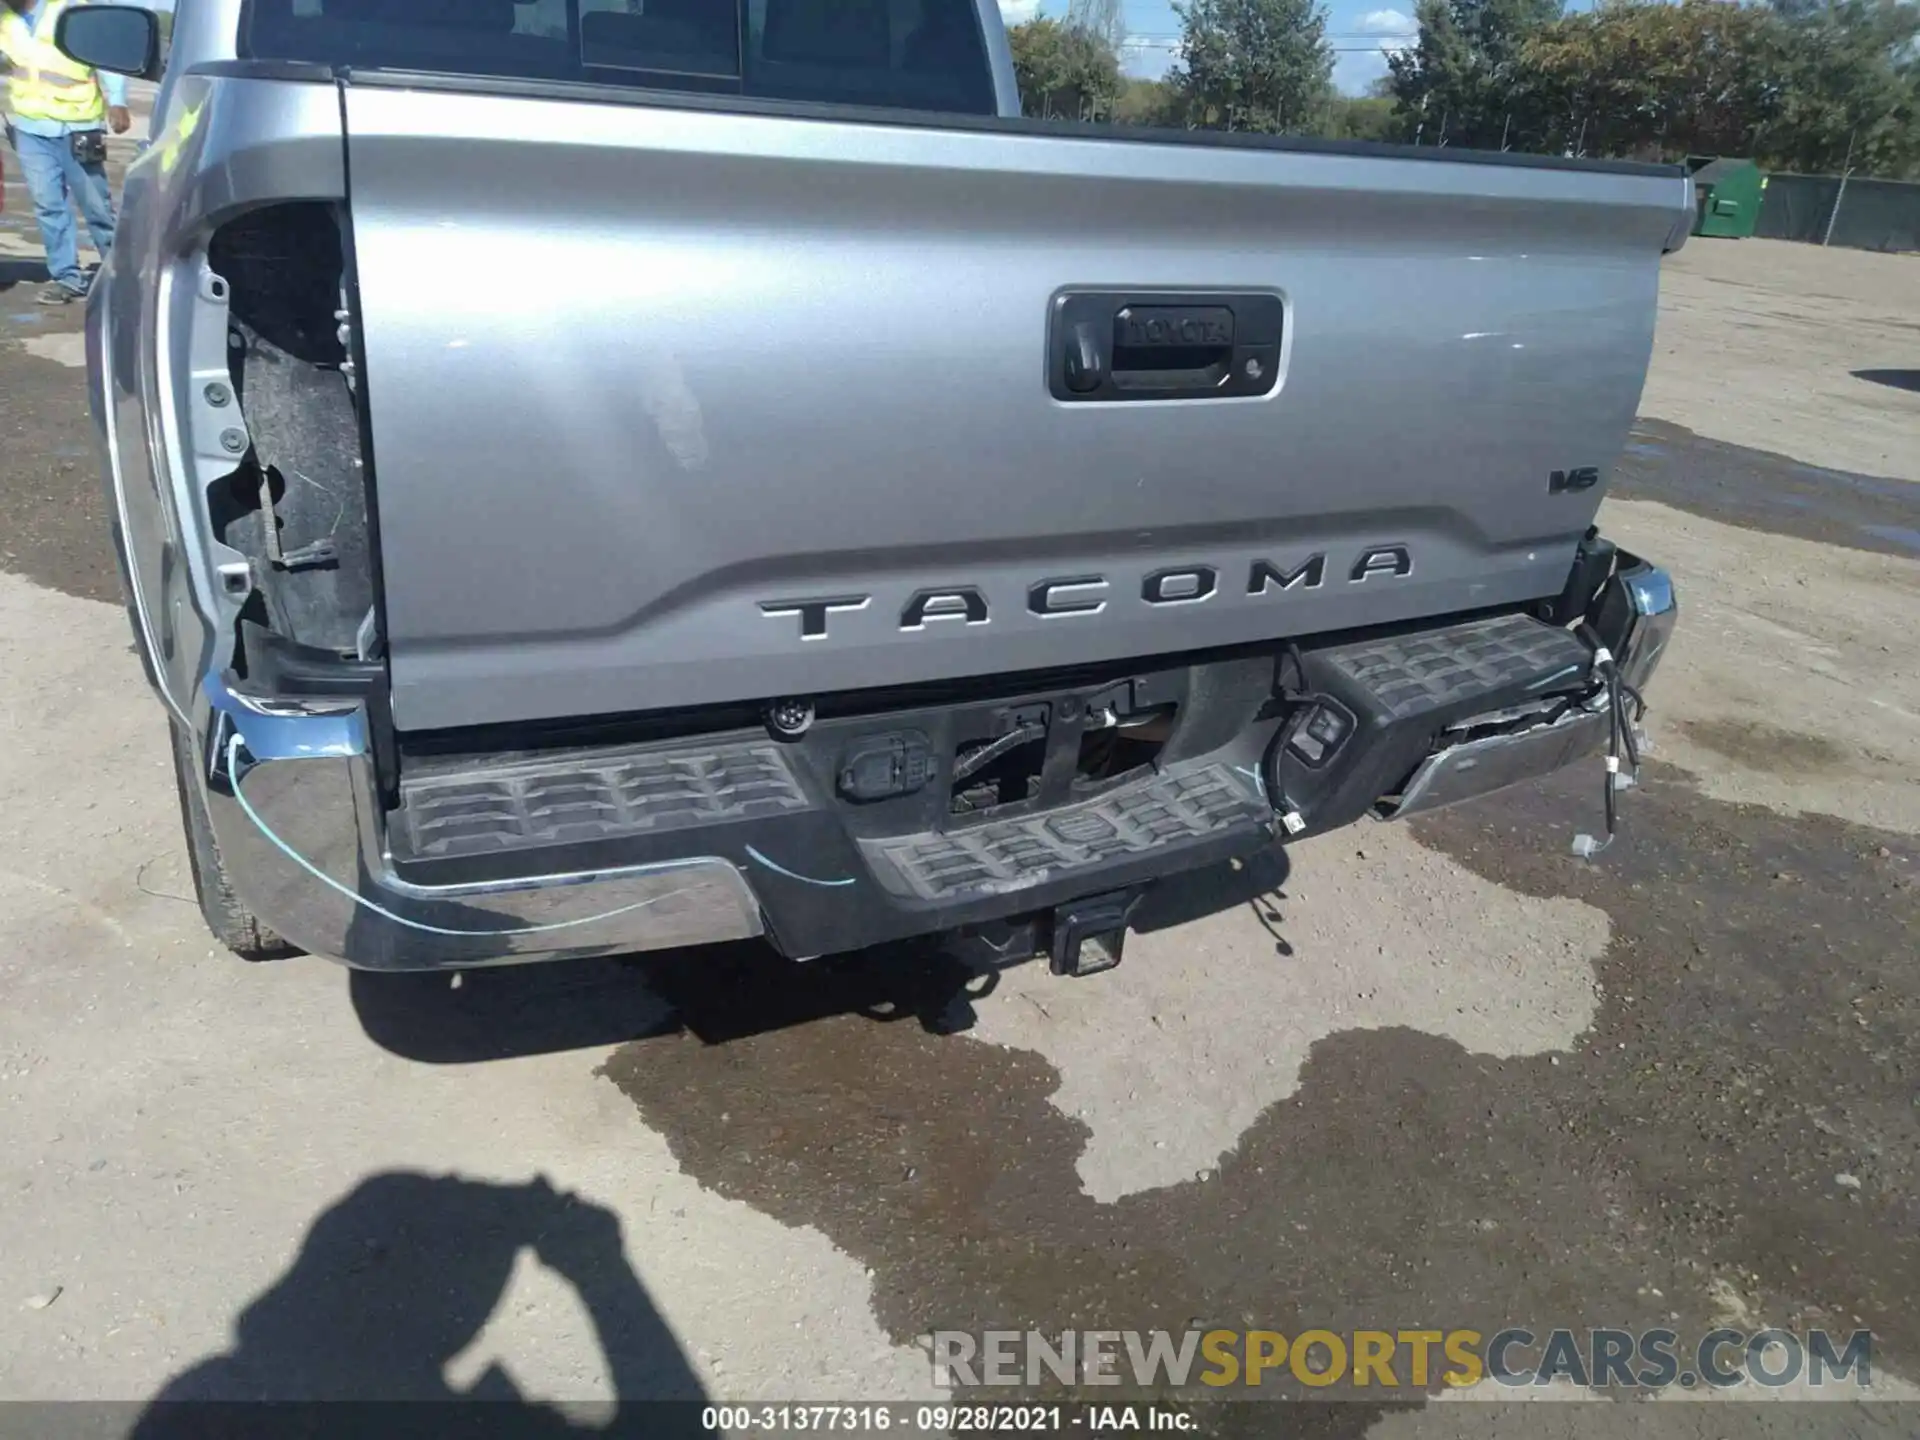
x=46, y=84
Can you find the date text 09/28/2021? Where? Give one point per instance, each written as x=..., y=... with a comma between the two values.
x=951, y=1419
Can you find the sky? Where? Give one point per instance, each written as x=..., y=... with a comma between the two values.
x=1361, y=31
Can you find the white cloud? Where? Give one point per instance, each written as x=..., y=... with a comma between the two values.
x=1018, y=12
x=1357, y=69
x=1386, y=22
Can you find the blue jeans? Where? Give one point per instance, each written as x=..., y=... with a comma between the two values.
x=57, y=181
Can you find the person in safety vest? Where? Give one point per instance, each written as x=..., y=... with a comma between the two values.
x=57, y=116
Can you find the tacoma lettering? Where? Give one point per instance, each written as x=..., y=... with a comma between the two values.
x=1309, y=576
x=1067, y=596
x=813, y=613
x=1388, y=560
x=1053, y=597
x=1186, y=586
x=963, y=602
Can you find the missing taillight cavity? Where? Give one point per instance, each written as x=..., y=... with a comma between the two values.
x=296, y=504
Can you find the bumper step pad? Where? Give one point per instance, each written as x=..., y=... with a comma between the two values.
x=1006, y=855
x=1483, y=661
x=478, y=812
x=1401, y=695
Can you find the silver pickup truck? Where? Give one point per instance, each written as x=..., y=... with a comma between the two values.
x=594, y=476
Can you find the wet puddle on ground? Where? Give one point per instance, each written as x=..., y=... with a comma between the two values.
x=1762, y=491
x=1758, y=1034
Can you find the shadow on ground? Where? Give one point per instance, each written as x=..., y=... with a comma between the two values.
x=20, y=272
x=395, y=1281
x=1898, y=379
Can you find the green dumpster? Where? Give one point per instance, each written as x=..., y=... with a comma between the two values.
x=1726, y=195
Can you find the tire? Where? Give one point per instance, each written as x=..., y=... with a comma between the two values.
x=232, y=923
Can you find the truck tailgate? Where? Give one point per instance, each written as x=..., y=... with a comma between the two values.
x=673, y=406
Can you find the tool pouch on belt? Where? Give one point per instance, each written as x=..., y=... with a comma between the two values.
x=90, y=146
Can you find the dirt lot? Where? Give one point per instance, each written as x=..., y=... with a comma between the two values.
x=1795, y=683
x=1434, y=1076
x=1804, y=351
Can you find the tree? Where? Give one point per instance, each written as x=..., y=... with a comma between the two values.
x=1464, y=81
x=1657, y=81
x=1799, y=84
x=1064, y=72
x=1147, y=102
x=1851, y=87
x=1362, y=117
x=1254, y=64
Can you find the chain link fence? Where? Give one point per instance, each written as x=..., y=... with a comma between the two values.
x=1835, y=210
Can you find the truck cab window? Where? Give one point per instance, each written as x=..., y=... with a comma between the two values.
x=899, y=54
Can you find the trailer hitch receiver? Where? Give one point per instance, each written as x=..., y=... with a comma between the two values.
x=1089, y=935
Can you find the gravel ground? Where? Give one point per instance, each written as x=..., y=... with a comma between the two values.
x=1440, y=1074
x=1807, y=352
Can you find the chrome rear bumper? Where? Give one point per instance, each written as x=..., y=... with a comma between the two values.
x=1480, y=767
x=1635, y=614
x=291, y=794
x=1638, y=611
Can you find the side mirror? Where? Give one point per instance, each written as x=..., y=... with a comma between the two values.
x=122, y=38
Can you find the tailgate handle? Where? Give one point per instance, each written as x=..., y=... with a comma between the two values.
x=1116, y=347
x=1163, y=347
x=1086, y=360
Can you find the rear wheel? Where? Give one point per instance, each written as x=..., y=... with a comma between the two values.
x=232, y=923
